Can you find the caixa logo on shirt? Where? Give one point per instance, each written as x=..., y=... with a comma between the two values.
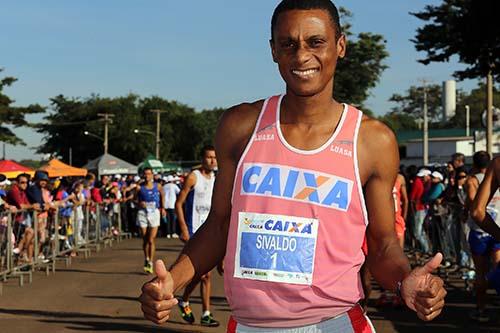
x=296, y=184
x=286, y=226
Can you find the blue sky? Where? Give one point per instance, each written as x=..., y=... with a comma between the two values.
x=202, y=53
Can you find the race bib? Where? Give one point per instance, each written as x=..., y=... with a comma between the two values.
x=276, y=248
x=493, y=213
x=151, y=207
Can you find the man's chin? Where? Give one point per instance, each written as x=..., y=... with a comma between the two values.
x=304, y=91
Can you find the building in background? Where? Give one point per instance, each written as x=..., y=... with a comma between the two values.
x=442, y=144
x=449, y=99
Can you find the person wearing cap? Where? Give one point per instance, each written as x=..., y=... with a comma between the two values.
x=436, y=189
x=419, y=209
x=38, y=193
x=170, y=192
x=440, y=228
x=34, y=191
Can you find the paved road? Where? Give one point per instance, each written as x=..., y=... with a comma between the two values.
x=99, y=295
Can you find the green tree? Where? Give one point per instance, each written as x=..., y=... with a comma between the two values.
x=399, y=121
x=183, y=131
x=411, y=103
x=361, y=68
x=408, y=108
x=11, y=115
x=466, y=28
x=475, y=100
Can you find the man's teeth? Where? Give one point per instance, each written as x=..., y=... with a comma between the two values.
x=304, y=73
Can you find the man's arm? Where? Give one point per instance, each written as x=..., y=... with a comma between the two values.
x=17, y=200
x=483, y=196
x=162, y=197
x=386, y=260
x=233, y=132
x=420, y=290
x=189, y=183
x=404, y=196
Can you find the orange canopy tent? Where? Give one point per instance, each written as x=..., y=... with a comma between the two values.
x=56, y=168
x=11, y=169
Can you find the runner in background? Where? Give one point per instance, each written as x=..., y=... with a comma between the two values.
x=192, y=208
x=148, y=217
x=170, y=192
x=484, y=247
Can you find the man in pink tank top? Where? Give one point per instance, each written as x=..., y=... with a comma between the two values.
x=300, y=176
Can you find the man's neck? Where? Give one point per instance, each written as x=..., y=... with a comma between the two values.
x=310, y=109
x=205, y=172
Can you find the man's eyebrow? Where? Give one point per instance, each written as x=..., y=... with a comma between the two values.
x=316, y=37
x=285, y=38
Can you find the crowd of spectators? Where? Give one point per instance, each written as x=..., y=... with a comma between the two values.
x=440, y=197
x=112, y=199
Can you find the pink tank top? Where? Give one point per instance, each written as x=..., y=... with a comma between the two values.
x=297, y=226
x=396, y=194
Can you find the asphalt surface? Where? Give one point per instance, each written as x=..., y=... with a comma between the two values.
x=99, y=294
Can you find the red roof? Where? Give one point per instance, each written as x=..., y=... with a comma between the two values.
x=11, y=169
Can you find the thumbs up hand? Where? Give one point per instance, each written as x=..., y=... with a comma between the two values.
x=157, y=298
x=424, y=292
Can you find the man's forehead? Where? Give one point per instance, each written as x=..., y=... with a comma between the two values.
x=310, y=21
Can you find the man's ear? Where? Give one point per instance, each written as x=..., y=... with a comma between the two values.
x=273, y=50
x=341, y=46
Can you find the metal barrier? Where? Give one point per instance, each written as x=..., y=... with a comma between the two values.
x=5, y=246
x=33, y=240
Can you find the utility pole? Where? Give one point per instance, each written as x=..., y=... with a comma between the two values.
x=108, y=119
x=467, y=120
x=3, y=151
x=425, y=134
x=158, y=112
x=489, y=114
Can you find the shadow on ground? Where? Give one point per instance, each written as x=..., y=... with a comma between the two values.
x=97, y=272
x=59, y=314
x=454, y=318
x=101, y=326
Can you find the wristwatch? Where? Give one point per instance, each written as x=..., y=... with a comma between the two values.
x=398, y=288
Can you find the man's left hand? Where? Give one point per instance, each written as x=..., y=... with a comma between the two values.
x=424, y=292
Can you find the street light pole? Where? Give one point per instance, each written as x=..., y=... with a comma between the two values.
x=425, y=133
x=467, y=120
x=158, y=112
x=108, y=119
x=489, y=114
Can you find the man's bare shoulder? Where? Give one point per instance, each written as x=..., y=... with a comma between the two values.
x=242, y=116
x=375, y=133
x=472, y=181
x=236, y=125
x=378, y=149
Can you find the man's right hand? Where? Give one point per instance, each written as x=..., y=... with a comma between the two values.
x=184, y=236
x=157, y=298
